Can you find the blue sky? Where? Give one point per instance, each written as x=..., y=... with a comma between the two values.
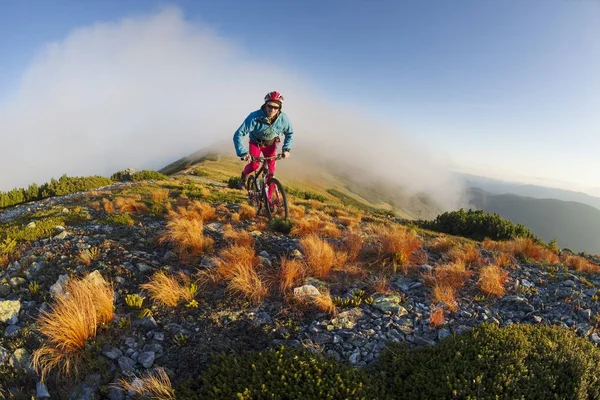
x=507, y=89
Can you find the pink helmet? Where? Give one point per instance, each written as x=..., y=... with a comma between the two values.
x=274, y=96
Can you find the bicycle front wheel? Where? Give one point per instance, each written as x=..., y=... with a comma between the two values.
x=275, y=200
x=255, y=198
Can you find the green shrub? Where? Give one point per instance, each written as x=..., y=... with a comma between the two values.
x=200, y=172
x=488, y=362
x=476, y=224
x=120, y=219
x=305, y=194
x=283, y=374
x=281, y=225
x=233, y=182
x=144, y=175
x=64, y=185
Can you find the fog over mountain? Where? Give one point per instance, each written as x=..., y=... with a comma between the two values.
x=144, y=91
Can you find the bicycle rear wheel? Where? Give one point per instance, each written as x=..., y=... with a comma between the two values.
x=276, y=202
x=255, y=198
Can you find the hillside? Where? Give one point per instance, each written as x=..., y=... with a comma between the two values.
x=321, y=177
x=125, y=279
x=574, y=225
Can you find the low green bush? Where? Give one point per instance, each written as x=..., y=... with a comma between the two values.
x=283, y=374
x=515, y=362
x=476, y=224
x=281, y=225
x=120, y=219
x=233, y=182
x=63, y=186
x=144, y=175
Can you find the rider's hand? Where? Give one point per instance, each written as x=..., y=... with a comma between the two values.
x=245, y=157
x=285, y=154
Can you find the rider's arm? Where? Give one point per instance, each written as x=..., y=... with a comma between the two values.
x=243, y=130
x=288, y=131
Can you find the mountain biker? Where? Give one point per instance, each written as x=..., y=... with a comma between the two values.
x=264, y=127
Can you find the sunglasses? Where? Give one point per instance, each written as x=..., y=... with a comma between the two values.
x=273, y=107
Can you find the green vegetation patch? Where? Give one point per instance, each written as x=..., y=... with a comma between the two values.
x=476, y=224
x=119, y=219
x=63, y=186
x=489, y=362
x=282, y=374
x=144, y=175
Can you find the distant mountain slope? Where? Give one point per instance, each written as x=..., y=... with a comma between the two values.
x=574, y=225
x=540, y=192
x=318, y=176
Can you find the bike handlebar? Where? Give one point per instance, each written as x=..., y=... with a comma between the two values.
x=277, y=157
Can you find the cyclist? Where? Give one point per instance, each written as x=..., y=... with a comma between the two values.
x=264, y=128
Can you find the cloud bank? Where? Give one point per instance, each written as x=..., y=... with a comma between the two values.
x=143, y=92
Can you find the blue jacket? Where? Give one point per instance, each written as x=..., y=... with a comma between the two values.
x=257, y=126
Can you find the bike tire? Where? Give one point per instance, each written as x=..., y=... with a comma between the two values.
x=278, y=206
x=255, y=197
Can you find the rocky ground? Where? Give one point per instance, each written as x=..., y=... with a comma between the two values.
x=181, y=339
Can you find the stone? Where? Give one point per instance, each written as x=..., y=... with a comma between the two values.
x=88, y=389
x=306, y=292
x=12, y=330
x=111, y=352
x=58, y=289
x=126, y=364
x=146, y=358
x=21, y=360
x=9, y=311
x=41, y=391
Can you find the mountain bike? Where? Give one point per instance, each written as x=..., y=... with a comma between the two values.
x=265, y=190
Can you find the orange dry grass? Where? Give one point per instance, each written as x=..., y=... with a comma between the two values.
x=204, y=210
x=380, y=284
x=240, y=238
x=527, y=248
x=306, y=226
x=247, y=212
x=454, y=274
x=292, y=274
x=445, y=294
x=94, y=205
x=233, y=258
x=349, y=222
x=296, y=211
x=71, y=321
x=398, y=244
x=153, y=384
x=159, y=194
x=319, y=255
x=340, y=258
x=168, y=289
x=441, y=244
x=579, y=263
x=108, y=206
x=329, y=229
x=469, y=254
x=130, y=205
x=505, y=260
x=353, y=243
x=436, y=316
x=324, y=302
x=237, y=264
x=492, y=245
x=186, y=235
x=492, y=279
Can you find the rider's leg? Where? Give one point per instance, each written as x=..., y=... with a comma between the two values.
x=254, y=151
x=270, y=151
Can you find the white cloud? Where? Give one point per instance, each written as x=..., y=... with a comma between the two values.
x=143, y=92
